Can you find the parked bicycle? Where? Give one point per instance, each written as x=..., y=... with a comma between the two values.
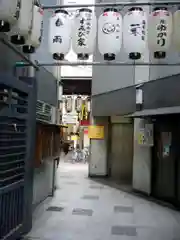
x=80, y=155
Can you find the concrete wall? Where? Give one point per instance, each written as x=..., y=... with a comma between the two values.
x=99, y=150
x=121, y=157
x=141, y=162
x=43, y=182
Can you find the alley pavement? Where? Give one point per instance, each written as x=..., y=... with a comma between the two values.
x=87, y=210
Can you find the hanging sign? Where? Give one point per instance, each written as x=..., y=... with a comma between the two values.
x=96, y=132
x=145, y=135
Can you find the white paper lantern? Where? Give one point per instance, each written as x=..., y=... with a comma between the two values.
x=88, y=104
x=68, y=104
x=23, y=26
x=9, y=13
x=78, y=103
x=110, y=33
x=84, y=33
x=135, y=32
x=35, y=37
x=176, y=30
x=160, y=32
x=60, y=34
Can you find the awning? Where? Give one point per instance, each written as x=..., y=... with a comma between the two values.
x=154, y=112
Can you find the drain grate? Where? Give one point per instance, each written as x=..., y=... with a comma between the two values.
x=123, y=230
x=123, y=209
x=66, y=177
x=55, y=209
x=82, y=212
x=96, y=187
x=71, y=183
x=90, y=197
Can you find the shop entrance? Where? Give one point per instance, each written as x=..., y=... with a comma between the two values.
x=165, y=159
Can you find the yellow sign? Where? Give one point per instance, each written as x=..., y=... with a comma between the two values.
x=96, y=132
x=74, y=137
x=141, y=137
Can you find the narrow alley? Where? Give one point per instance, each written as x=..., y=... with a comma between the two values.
x=85, y=209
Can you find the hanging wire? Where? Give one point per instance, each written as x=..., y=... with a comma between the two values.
x=110, y=4
x=64, y=63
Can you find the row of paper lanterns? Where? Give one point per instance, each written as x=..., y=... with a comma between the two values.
x=68, y=101
x=136, y=31
x=22, y=20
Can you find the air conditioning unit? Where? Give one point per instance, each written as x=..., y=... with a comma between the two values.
x=44, y=112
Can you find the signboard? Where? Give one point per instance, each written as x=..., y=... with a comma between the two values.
x=74, y=137
x=69, y=119
x=96, y=132
x=145, y=135
x=141, y=137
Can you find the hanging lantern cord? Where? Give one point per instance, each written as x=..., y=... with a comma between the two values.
x=125, y=4
x=133, y=63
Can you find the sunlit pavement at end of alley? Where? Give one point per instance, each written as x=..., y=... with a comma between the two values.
x=85, y=209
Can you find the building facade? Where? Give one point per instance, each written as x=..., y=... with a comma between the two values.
x=120, y=155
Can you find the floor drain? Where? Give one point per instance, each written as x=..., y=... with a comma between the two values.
x=66, y=177
x=71, y=183
x=55, y=209
x=82, y=212
x=123, y=209
x=90, y=197
x=122, y=230
x=96, y=187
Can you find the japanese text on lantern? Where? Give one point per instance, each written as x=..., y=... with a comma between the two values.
x=138, y=29
x=117, y=26
x=143, y=30
x=82, y=33
x=84, y=29
x=135, y=29
x=161, y=33
x=57, y=39
x=88, y=23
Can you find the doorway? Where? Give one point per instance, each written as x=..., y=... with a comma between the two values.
x=164, y=160
x=121, y=152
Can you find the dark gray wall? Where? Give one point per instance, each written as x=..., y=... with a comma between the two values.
x=117, y=102
x=162, y=93
x=7, y=57
x=47, y=86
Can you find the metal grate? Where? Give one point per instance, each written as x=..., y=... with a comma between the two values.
x=11, y=211
x=82, y=212
x=90, y=197
x=123, y=209
x=14, y=104
x=124, y=231
x=55, y=209
x=13, y=131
